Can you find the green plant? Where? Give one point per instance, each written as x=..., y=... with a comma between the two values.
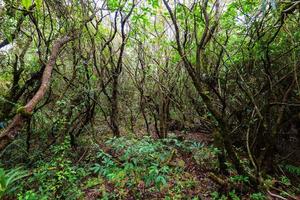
x=257, y=196
x=156, y=175
x=292, y=169
x=239, y=179
x=30, y=195
x=57, y=178
x=216, y=196
x=92, y=182
x=233, y=195
x=285, y=180
x=206, y=157
x=8, y=177
x=143, y=163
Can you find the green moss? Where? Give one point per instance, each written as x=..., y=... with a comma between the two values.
x=21, y=110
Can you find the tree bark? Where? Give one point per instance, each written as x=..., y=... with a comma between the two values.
x=8, y=134
x=114, y=107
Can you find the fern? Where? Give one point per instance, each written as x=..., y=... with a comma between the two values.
x=8, y=177
x=292, y=169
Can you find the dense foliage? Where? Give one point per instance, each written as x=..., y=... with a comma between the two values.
x=149, y=99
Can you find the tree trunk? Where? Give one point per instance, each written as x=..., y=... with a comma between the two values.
x=114, y=107
x=18, y=121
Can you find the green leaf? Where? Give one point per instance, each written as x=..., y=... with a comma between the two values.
x=39, y=3
x=160, y=181
x=26, y=4
x=154, y=3
x=113, y=4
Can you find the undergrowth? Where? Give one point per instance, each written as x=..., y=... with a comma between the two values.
x=127, y=168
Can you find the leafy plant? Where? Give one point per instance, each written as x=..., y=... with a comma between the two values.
x=257, y=196
x=292, y=169
x=30, y=195
x=285, y=180
x=8, y=177
x=26, y=3
x=206, y=157
x=57, y=178
x=233, y=195
x=239, y=179
x=216, y=196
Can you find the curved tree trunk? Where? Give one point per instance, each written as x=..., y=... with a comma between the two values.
x=18, y=121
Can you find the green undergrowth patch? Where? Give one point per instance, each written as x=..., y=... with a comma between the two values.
x=147, y=168
x=55, y=177
x=143, y=168
x=128, y=167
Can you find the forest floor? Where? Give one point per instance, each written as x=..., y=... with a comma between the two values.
x=190, y=169
x=182, y=166
x=195, y=180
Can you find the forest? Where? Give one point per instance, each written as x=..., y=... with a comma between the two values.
x=150, y=99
